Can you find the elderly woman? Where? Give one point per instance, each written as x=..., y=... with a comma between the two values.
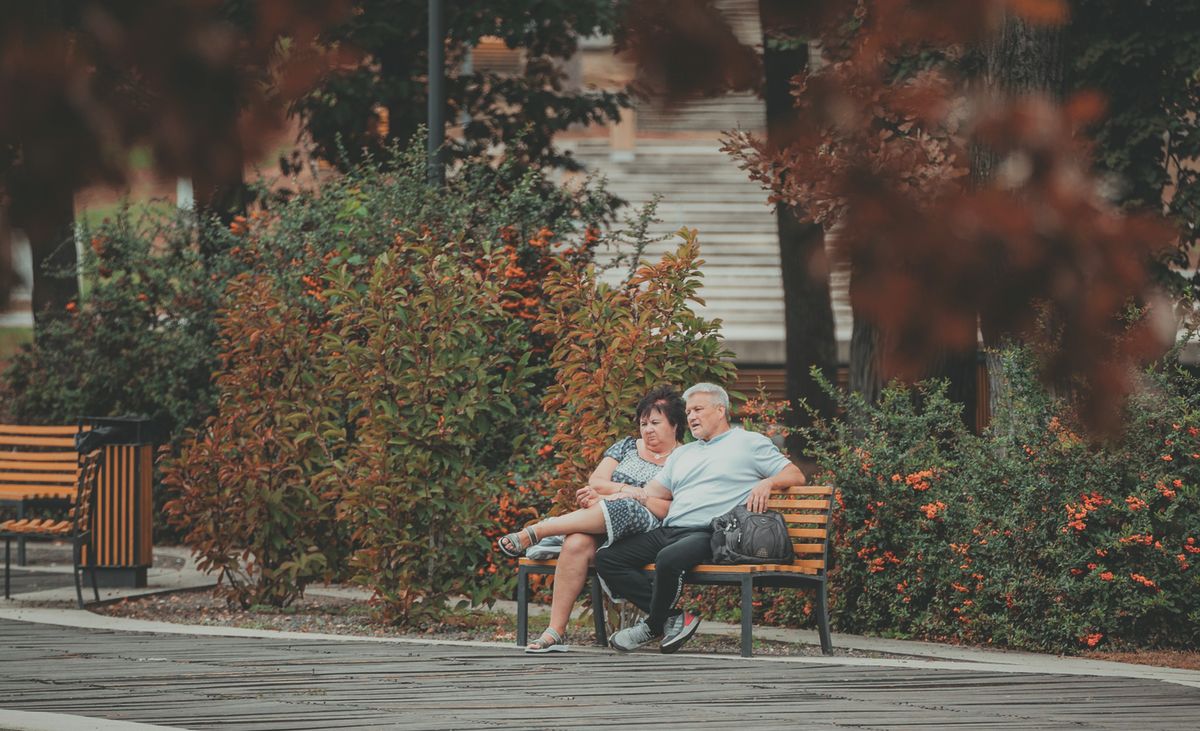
x=614, y=506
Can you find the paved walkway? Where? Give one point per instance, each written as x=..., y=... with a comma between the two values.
x=66, y=669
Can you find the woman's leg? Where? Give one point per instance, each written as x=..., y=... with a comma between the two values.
x=585, y=520
x=569, y=577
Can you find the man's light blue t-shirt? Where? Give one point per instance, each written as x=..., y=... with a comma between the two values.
x=709, y=478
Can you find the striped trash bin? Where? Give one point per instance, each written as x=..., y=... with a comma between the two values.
x=124, y=501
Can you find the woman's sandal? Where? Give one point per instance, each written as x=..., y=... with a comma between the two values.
x=510, y=545
x=550, y=641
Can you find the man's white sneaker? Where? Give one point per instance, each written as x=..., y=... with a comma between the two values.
x=678, y=630
x=631, y=638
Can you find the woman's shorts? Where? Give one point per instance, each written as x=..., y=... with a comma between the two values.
x=626, y=517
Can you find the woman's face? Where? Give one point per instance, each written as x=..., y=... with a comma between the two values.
x=656, y=431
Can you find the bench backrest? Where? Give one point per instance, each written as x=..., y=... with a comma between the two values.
x=38, y=462
x=806, y=509
x=84, y=510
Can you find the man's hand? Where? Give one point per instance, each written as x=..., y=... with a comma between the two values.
x=757, y=502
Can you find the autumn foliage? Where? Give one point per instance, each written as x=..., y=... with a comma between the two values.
x=376, y=383
x=613, y=344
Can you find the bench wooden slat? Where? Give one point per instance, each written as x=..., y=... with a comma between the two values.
x=801, y=518
x=58, y=468
x=805, y=490
x=52, y=477
x=13, y=492
x=807, y=533
x=39, y=430
x=39, y=441
x=53, y=458
x=803, y=548
x=794, y=504
x=794, y=568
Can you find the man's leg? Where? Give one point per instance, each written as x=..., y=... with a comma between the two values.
x=685, y=548
x=620, y=565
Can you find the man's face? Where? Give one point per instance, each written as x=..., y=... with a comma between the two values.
x=704, y=416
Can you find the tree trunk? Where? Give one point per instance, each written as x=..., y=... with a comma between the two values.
x=221, y=193
x=55, y=264
x=865, y=373
x=8, y=277
x=1019, y=59
x=808, y=313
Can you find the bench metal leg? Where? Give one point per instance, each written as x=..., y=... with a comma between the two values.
x=522, y=606
x=598, y=612
x=747, y=616
x=20, y=541
x=76, y=550
x=93, y=572
x=823, y=619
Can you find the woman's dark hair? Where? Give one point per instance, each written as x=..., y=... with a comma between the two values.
x=665, y=400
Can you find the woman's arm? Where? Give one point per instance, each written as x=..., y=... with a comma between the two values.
x=601, y=480
x=654, y=496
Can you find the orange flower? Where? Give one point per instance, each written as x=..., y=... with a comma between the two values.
x=931, y=510
x=72, y=307
x=1092, y=640
x=1106, y=576
x=1135, y=503
x=1167, y=458
x=1144, y=539
x=1149, y=584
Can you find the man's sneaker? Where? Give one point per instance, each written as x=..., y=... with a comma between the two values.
x=678, y=630
x=631, y=638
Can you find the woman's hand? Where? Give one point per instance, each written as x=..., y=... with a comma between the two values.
x=586, y=496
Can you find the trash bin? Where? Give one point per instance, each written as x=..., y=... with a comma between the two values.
x=124, y=500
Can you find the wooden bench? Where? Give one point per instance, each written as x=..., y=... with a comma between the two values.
x=77, y=529
x=39, y=467
x=805, y=508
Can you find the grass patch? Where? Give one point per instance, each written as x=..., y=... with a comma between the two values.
x=11, y=340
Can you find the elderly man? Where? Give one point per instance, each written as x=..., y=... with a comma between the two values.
x=725, y=466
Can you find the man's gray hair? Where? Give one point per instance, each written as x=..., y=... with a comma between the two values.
x=712, y=389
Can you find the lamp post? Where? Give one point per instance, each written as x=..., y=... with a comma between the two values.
x=437, y=95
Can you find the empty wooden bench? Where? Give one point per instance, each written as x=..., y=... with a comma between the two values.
x=77, y=529
x=39, y=467
x=805, y=508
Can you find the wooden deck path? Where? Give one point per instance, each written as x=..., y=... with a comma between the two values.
x=201, y=682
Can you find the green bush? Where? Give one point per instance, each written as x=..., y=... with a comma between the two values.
x=255, y=499
x=347, y=422
x=1029, y=536
x=139, y=342
x=437, y=374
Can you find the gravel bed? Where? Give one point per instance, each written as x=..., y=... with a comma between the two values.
x=338, y=615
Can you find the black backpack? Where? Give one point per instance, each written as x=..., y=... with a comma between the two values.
x=740, y=536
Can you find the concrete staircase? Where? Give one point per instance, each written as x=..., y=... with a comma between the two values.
x=702, y=188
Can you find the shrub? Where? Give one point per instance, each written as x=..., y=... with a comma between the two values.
x=612, y=345
x=437, y=373
x=255, y=500
x=140, y=342
x=327, y=442
x=1029, y=536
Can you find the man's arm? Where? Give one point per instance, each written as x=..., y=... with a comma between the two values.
x=787, y=477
